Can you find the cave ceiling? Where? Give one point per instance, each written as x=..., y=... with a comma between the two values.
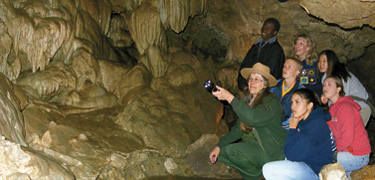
x=113, y=89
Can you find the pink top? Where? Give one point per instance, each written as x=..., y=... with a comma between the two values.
x=347, y=127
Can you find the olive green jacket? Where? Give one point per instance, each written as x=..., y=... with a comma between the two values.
x=266, y=120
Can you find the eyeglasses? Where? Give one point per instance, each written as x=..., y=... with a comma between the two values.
x=255, y=80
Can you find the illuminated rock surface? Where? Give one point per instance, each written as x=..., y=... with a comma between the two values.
x=114, y=89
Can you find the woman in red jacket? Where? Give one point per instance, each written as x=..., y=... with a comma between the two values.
x=353, y=145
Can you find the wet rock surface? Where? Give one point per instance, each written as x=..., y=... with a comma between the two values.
x=114, y=89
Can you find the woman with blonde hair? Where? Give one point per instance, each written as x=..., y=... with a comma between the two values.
x=258, y=126
x=304, y=50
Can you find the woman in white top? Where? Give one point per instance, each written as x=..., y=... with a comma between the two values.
x=330, y=65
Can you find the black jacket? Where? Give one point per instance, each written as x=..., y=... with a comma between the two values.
x=271, y=55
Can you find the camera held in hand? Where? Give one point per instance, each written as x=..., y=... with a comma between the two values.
x=210, y=86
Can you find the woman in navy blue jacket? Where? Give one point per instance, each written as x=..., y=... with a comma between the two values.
x=309, y=145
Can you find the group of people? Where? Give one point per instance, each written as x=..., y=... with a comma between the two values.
x=313, y=115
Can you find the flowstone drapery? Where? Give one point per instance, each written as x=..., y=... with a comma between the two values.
x=112, y=89
x=73, y=84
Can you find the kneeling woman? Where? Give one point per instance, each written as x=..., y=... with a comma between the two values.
x=309, y=145
x=259, y=126
x=351, y=138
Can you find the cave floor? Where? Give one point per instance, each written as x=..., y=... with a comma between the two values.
x=183, y=178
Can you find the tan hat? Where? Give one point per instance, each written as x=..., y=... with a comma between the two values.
x=261, y=69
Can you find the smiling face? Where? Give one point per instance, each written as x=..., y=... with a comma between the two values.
x=290, y=70
x=330, y=89
x=323, y=63
x=300, y=107
x=256, y=83
x=268, y=31
x=301, y=48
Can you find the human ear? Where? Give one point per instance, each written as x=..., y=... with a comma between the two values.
x=298, y=72
x=338, y=90
x=274, y=33
x=310, y=105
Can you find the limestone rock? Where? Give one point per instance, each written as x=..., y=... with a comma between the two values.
x=239, y=27
x=333, y=172
x=11, y=70
x=41, y=81
x=197, y=155
x=11, y=119
x=18, y=163
x=176, y=13
x=140, y=118
x=227, y=77
x=113, y=89
x=155, y=60
x=145, y=27
x=367, y=172
x=201, y=67
x=119, y=32
x=363, y=69
x=347, y=13
x=181, y=75
x=38, y=38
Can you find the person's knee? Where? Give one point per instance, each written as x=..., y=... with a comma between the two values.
x=266, y=167
x=271, y=170
x=233, y=151
x=231, y=154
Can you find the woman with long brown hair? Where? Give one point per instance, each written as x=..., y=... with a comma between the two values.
x=259, y=126
x=330, y=65
x=353, y=145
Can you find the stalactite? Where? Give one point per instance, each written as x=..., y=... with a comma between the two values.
x=145, y=27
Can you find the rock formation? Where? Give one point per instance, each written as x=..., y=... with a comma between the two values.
x=114, y=89
x=343, y=13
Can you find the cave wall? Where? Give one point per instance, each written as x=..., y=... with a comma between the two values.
x=112, y=89
x=236, y=26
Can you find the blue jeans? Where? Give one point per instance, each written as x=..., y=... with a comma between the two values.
x=288, y=170
x=351, y=162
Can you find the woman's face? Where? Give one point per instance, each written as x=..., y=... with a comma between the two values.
x=300, y=107
x=300, y=48
x=330, y=89
x=323, y=64
x=256, y=83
